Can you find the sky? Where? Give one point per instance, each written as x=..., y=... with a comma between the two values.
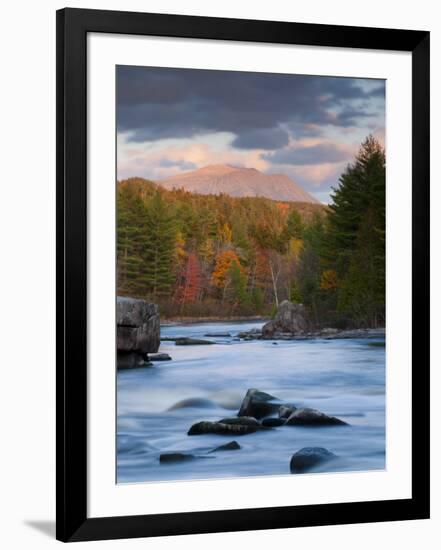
x=307, y=127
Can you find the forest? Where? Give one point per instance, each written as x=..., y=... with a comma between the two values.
x=220, y=256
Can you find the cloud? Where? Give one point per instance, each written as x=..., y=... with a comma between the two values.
x=322, y=153
x=169, y=158
x=272, y=138
x=308, y=127
x=160, y=103
x=177, y=163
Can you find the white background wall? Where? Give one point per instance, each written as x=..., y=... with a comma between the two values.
x=27, y=274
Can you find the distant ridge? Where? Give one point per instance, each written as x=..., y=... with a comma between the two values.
x=238, y=182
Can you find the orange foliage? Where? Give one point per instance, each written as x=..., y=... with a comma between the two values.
x=329, y=280
x=223, y=263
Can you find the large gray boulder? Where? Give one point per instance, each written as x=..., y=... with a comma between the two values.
x=309, y=457
x=258, y=404
x=137, y=328
x=290, y=319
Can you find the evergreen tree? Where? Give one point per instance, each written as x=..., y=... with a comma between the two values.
x=239, y=283
x=294, y=225
x=129, y=244
x=158, y=247
x=356, y=248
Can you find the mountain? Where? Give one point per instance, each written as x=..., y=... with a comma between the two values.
x=238, y=182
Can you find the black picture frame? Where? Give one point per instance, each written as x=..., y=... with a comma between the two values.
x=73, y=25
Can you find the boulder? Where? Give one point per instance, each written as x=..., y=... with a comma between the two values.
x=137, y=330
x=312, y=417
x=231, y=446
x=308, y=457
x=192, y=342
x=159, y=357
x=258, y=404
x=131, y=360
x=290, y=319
x=220, y=428
x=168, y=458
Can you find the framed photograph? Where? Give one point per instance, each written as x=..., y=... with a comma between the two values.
x=242, y=274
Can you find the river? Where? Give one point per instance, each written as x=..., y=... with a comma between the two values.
x=343, y=378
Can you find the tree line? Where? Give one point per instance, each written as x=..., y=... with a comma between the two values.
x=216, y=255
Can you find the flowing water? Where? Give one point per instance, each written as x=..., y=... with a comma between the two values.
x=343, y=378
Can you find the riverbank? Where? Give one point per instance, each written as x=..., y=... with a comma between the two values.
x=213, y=319
x=326, y=334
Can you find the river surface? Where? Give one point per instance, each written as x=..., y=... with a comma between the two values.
x=343, y=378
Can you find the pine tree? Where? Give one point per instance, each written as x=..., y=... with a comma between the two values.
x=239, y=283
x=158, y=247
x=129, y=244
x=357, y=236
x=294, y=225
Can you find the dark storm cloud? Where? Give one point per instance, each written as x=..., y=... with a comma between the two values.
x=271, y=138
x=315, y=154
x=158, y=103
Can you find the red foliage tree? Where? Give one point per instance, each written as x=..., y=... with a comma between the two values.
x=191, y=283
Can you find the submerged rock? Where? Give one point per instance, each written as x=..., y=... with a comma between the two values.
x=231, y=446
x=312, y=417
x=193, y=402
x=192, y=342
x=258, y=404
x=158, y=357
x=252, y=334
x=290, y=319
x=218, y=335
x=167, y=458
x=308, y=457
x=220, y=428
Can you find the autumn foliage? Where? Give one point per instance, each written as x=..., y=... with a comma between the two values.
x=216, y=255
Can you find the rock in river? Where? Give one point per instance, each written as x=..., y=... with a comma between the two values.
x=159, y=357
x=312, y=417
x=192, y=342
x=137, y=330
x=221, y=428
x=308, y=457
x=290, y=319
x=258, y=404
x=168, y=458
x=231, y=446
x=131, y=360
x=218, y=335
